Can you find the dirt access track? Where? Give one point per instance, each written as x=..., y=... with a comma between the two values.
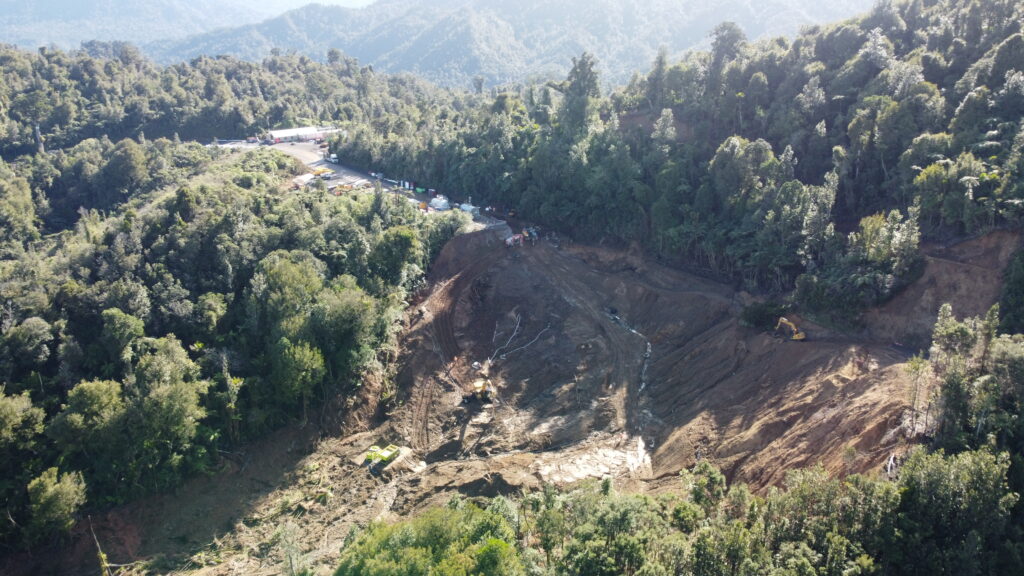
x=605, y=365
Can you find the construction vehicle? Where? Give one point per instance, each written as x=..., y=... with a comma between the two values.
x=378, y=457
x=483, y=391
x=794, y=332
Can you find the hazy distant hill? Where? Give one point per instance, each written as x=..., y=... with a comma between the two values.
x=67, y=23
x=453, y=40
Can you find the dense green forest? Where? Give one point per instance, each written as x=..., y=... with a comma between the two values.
x=110, y=89
x=160, y=300
x=207, y=309
x=816, y=164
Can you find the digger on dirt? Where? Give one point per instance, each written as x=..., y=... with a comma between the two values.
x=377, y=457
x=483, y=391
x=794, y=332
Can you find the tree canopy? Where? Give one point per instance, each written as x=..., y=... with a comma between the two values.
x=196, y=314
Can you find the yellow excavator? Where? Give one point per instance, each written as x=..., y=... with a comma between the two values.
x=377, y=457
x=483, y=392
x=794, y=332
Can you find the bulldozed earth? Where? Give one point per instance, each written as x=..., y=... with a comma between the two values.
x=605, y=365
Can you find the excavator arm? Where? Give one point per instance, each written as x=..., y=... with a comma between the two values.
x=794, y=332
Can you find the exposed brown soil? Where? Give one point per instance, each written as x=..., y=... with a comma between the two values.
x=968, y=275
x=606, y=366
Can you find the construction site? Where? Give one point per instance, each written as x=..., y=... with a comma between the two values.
x=538, y=361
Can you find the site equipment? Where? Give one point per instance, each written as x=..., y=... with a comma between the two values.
x=483, y=390
x=794, y=332
x=380, y=456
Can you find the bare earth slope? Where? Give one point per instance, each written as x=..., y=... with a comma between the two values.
x=605, y=366
x=968, y=275
x=710, y=388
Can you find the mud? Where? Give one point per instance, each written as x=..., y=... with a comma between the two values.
x=610, y=366
x=969, y=275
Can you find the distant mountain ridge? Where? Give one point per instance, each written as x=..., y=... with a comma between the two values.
x=451, y=41
x=68, y=23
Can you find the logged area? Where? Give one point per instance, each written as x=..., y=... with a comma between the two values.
x=602, y=365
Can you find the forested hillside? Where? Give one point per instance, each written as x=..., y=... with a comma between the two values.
x=111, y=89
x=452, y=42
x=161, y=301
x=67, y=24
x=205, y=311
x=815, y=164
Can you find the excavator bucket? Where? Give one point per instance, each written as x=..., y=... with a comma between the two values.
x=794, y=332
